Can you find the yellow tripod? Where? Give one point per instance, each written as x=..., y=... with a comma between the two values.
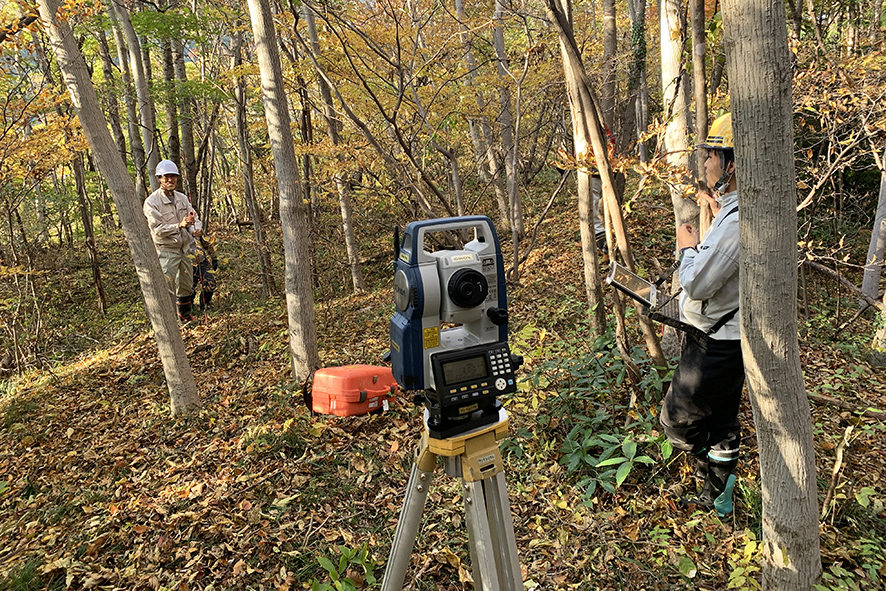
x=475, y=458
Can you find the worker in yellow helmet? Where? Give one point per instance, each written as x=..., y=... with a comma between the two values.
x=700, y=410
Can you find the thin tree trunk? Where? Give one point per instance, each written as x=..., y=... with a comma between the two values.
x=874, y=261
x=89, y=232
x=340, y=177
x=696, y=9
x=179, y=379
x=111, y=94
x=186, y=120
x=488, y=160
x=80, y=187
x=574, y=67
x=755, y=37
x=506, y=123
x=173, y=144
x=293, y=215
x=147, y=119
x=135, y=139
x=610, y=46
x=269, y=285
x=637, y=84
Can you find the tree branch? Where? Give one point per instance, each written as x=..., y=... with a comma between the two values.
x=846, y=283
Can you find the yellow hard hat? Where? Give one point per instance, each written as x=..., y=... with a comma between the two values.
x=720, y=134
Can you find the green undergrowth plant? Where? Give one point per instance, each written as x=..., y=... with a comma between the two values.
x=353, y=569
x=587, y=397
x=745, y=562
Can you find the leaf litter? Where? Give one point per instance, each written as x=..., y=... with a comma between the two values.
x=106, y=491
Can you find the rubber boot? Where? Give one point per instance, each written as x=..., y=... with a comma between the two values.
x=722, y=483
x=701, y=465
x=716, y=493
x=184, y=309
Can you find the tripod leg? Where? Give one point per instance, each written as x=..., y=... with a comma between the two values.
x=491, y=535
x=480, y=538
x=407, y=528
x=501, y=524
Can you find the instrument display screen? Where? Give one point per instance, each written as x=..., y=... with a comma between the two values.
x=463, y=370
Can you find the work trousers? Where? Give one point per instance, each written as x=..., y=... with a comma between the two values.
x=700, y=410
x=177, y=267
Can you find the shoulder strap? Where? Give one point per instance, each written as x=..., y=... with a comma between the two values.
x=722, y=322
x=727, y=214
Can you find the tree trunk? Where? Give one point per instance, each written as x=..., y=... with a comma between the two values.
x=610, y=46
x=676, y=103
x=135, y=139
x=111, y=94
x=173, y=144
x=186, y=121
x=340, y=177
x=269, y=285
x=574, y=69
x=874, y=261
x=179, y=379
x=147, y=119
x=506, y=123
x=293, y=216
x=759, y=65
x=89, y=232
x=638, y=88
x=696, y=8
x=582, y=147
x=488, y=160
x=80, y=187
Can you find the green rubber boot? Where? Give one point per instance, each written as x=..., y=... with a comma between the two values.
x=722, y=483
x=723, y=503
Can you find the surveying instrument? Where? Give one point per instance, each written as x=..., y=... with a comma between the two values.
x=457, y=372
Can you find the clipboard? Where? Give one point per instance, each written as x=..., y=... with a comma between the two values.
x=632, y=285
x=658, y=306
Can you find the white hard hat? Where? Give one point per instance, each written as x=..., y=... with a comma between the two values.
x=166, y=167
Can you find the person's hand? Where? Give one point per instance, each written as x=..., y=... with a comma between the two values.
x=687, y=237
x=198, y=233
x=706, y=198
x=188, y=221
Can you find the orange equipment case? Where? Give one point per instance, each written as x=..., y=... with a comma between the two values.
x=352, y=389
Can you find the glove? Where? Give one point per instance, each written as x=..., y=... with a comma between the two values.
x=215, y=264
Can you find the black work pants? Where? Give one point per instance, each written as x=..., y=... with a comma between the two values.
x=700, y=410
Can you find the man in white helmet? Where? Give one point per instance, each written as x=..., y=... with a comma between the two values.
x=173, y=223
x=700, y=410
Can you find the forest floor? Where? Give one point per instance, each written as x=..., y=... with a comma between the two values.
x=100, y=488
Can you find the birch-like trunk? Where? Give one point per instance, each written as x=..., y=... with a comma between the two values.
x=136, y=145
x=269, y=285
x=293, y=214
x=674, y=80
x=341, y=176
x=488, y=160
x=759, y=65
x=186, y=121
x=874, y=262
x=179, y=379
x=147, y=118
x=506, y=123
